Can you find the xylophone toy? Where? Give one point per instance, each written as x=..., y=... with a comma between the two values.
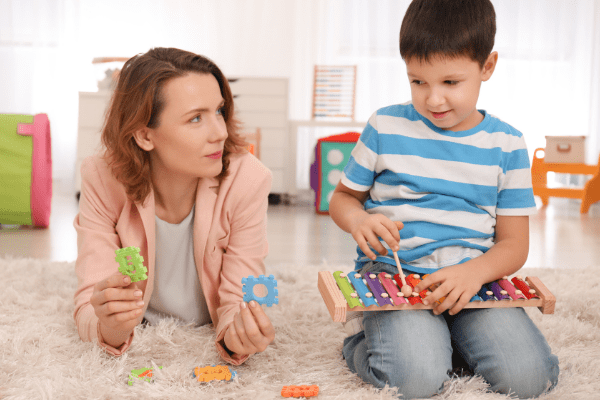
x=370, y=292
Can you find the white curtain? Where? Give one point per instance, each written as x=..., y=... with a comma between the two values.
x=547, y=81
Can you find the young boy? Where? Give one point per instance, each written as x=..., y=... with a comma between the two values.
x=456, y=181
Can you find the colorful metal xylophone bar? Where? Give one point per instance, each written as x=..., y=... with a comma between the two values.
x=370, y=292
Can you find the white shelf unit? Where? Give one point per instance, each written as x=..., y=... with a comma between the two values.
x=92, y=106
x=263, y=103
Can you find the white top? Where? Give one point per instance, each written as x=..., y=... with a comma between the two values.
x=177, y=292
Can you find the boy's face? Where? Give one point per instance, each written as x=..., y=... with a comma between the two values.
x=445, y=90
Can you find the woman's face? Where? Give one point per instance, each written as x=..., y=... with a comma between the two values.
x=191, y=133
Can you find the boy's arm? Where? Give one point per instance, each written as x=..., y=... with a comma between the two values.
x=461, y=282
x=347, y=211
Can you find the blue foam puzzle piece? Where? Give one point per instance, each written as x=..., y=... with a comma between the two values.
x=269, y=282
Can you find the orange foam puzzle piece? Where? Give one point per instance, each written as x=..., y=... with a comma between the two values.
x=300, y=391
x=207, y=374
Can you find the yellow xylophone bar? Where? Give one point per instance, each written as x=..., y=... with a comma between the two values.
x=337, y=305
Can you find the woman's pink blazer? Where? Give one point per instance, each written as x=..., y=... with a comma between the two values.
x=230, y=240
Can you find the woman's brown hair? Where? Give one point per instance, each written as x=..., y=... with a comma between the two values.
x=138, y=101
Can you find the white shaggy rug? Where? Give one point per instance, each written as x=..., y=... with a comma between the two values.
x=42, y=357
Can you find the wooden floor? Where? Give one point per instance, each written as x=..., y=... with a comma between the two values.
x=560, y=237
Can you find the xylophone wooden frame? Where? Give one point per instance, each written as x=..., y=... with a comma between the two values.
x=337, y=305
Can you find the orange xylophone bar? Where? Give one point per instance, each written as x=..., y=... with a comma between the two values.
x=543, y=299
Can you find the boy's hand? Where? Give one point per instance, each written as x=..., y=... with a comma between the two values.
x=457, y=283
x=251, y=330
x=370, y=227
x=116, y=302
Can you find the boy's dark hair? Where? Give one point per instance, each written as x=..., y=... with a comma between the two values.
x=449, y=28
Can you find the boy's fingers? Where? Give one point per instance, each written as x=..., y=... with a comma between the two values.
x=390, y=233
x=364, y=246
x=424, y=284
x=460, y=304
x=433, y=297
x=389, y=239
x=376, y=244
x=446, y=304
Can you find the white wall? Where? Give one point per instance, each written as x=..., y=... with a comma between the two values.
x=547, y=81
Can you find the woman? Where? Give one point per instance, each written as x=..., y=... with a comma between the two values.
x=176, y=181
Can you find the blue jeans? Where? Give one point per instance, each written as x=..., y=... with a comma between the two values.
x=412, y=350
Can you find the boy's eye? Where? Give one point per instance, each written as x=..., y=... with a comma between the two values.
x=451, y=82
x=417, y=82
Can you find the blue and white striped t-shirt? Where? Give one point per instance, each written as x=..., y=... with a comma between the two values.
x=446, y=187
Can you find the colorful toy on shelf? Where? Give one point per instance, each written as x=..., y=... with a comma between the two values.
x=334, y=92
x=131, y=263
x=144, y=374
x=517, y=292
x=214, y=372
x=26, y=170
x=331, y=156
x=269, y=282
x=300, y=391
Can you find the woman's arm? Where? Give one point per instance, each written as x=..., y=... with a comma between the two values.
x=97, y=241
x=247, y=247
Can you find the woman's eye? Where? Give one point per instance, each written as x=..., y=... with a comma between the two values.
x=221, y=111
x=196, y=119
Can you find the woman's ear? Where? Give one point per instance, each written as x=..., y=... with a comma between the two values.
x=143, y=138
x=489, y=66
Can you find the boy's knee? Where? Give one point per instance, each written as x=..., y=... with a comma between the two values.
x=537, y=379
x=419, y=381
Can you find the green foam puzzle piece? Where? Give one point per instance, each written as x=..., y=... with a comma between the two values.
x=135, y=373
x=132, y=267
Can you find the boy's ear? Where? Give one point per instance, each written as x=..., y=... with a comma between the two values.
x=143, y=138
x=489, y=66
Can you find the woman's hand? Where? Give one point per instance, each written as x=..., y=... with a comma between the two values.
x=251, y=330
x=117, y=302
x=368, y=229
x=458, y=284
